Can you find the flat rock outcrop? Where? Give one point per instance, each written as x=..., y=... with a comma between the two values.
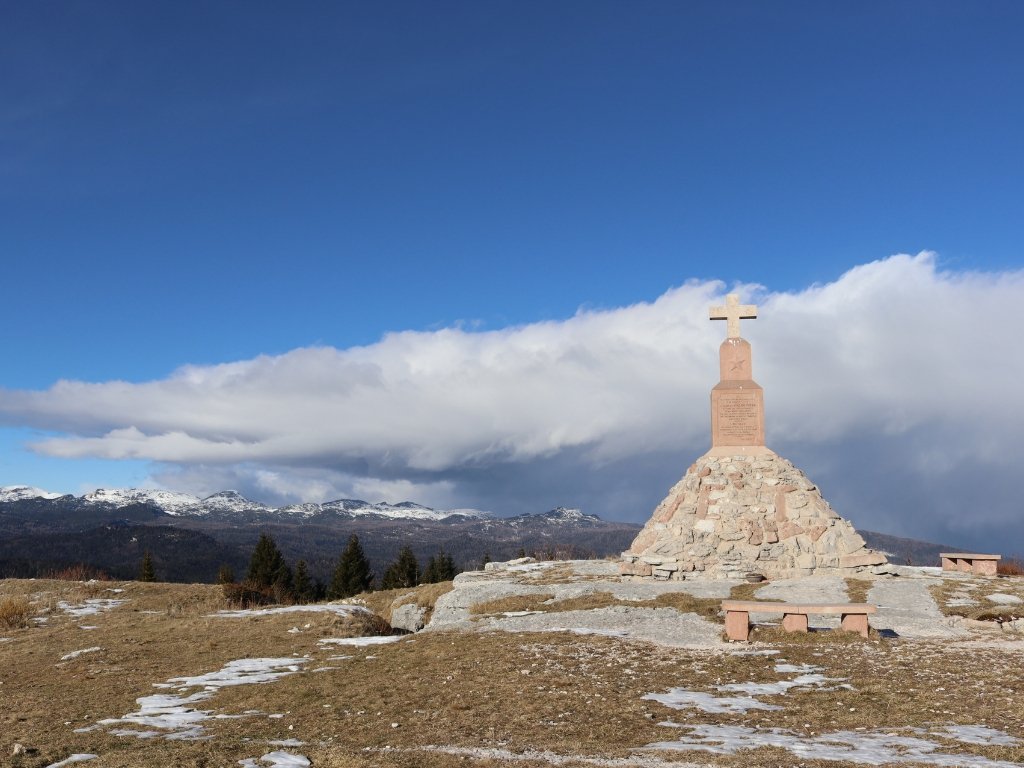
x=735, y=514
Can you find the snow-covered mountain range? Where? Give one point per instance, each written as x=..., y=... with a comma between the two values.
x=227, y=503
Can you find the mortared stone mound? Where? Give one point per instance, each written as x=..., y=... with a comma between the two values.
x=735, y=514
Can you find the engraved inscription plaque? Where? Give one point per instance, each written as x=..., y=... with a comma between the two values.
x=737, y=416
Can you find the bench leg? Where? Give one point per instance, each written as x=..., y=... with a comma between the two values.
x=737, y=625
x=964, y=565
x=948, y=564
x=855, y=622
x=985, y=567
x=794, y=622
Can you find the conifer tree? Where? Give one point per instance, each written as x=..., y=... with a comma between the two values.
x=304, y=589
x=440, y=567
x=485, y=561
x=403, y=572
x=226, y=575
x=352, y=574
x=146, y=571
x=266, y=564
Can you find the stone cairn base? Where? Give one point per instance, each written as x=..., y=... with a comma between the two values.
x=734, y=515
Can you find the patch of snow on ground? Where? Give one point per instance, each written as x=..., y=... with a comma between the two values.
x=6, y=639
x=176, y=717
x=980, y=734
x=76, y=654
x=277, y=759
x=680, y=698
x=241, y=672
x=89, y=607
x=88, y=626
x=78, y=757
x=776, y=689
x=338, y=609
x=872, y=748
x=589, y=631
x=287, y=743
x=376, y=640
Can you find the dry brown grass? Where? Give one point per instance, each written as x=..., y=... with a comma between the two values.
x=513, y=603
x=977, y=589
x=383, y=601
x=708, y=607
x=1012, y=567
x=573, y=695
x=857, y=589
x=15, y=612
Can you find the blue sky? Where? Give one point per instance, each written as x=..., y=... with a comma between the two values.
x=187, y=184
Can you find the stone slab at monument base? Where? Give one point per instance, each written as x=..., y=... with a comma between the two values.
x=741, y=511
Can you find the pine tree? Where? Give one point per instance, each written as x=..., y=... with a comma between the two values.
x=485, y=561
x=305, y=591
x=146, y=571
x=267, y=565
x=404, y=572
x=269, y=572
x=352, y=574
x=440, y=567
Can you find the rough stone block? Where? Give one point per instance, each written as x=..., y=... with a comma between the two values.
x=635, y=569
x=806, y=560
x=788, y=530
x=860, y=560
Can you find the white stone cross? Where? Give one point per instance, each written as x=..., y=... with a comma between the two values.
x=733, y=312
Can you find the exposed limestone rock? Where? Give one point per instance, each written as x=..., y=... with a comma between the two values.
x=410, y=617
x=731, y=515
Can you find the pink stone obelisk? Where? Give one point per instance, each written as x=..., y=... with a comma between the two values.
x=737, y=401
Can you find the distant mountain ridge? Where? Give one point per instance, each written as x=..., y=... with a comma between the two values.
x=232, y=502
x=189, y=537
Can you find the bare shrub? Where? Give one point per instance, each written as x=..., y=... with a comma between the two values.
x=78, y=572
x=249, y=595
x=15, y=612
x=1012, y=567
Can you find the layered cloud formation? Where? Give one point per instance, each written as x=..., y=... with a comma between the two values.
x=896, y=388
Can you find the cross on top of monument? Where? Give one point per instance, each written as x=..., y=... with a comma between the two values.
x=733, y=312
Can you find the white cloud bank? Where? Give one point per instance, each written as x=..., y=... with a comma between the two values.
x=896, y=388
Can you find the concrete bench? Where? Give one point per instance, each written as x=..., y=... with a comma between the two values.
x=980, y=565
x=794, y=615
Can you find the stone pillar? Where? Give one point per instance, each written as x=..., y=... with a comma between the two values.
x=737, y=401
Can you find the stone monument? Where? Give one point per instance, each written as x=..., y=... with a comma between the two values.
x=741, y=508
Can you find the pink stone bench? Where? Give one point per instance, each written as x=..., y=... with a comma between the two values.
x=794, y=615
x=980, y=565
